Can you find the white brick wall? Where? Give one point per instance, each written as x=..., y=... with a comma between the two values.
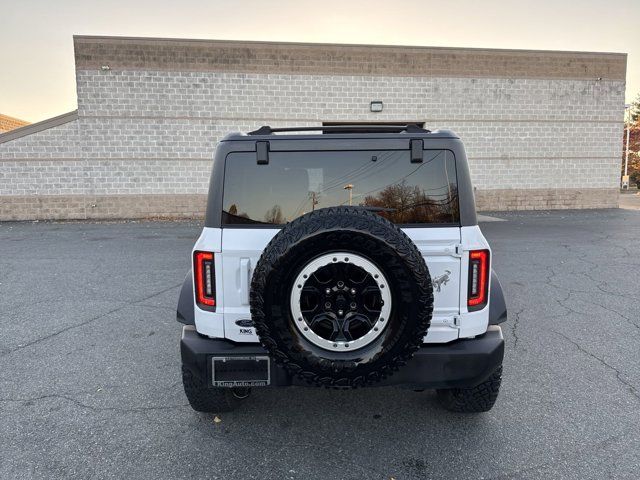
x=142, y=132
x=58, y=142
x=322, y=97
x=104, y=177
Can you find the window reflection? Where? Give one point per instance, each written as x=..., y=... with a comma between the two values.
x=294, y=183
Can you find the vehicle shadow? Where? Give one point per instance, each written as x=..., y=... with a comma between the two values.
x=367, y=433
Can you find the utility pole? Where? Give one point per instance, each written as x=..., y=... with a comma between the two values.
x=314, y=200
x=626, y=157
x=625, y=178
x=350, y=188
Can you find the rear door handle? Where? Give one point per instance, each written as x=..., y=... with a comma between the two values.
x=245, y=273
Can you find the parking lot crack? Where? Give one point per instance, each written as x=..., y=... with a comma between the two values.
x=562, y=301
x=615, y=312
x=148, y=297
x=607, y=441
x=93, y=408
x=514, y=327
x=89, y=320
x=632, y=389
x=66, y=329
x=600, y=286
x=571, y=292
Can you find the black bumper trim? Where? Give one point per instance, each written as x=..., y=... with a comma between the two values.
x=463, y=363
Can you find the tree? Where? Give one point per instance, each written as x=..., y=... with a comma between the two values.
x=635, y=109
x=274, y=215
x=402, y=203
x=633, y=125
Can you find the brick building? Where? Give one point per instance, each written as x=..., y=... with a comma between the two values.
x=10, y=123
x=542, y=129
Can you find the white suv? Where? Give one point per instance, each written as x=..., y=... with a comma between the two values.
x=344, y=259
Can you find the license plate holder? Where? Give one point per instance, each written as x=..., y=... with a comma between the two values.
x=237, y=371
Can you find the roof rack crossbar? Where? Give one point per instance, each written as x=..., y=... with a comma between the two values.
x=410, y=128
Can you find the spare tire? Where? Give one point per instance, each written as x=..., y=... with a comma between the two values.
x=341, y=297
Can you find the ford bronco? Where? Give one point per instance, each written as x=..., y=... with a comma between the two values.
x=345, y=259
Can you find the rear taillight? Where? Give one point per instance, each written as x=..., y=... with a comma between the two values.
x=478, y=279
x=203, y=273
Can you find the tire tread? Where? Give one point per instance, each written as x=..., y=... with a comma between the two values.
x=336, y=218
x=480, y=398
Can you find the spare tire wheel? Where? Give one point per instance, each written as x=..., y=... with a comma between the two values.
x=341, y=297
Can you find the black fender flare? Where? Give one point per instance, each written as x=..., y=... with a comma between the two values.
x=497, y=304
x=185, y=313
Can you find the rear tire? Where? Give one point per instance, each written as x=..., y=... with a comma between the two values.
x=203, y=398
x=480, y=398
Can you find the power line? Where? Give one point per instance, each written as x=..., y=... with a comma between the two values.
x=402, y=178
x=338, y=181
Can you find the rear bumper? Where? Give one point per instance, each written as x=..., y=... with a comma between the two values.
x=463, y=363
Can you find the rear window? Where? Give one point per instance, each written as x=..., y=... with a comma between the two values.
x=295, y=183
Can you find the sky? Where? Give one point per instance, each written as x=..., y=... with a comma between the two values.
x=36, y=47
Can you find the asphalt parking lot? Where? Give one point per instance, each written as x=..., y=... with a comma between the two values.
x=630, y=200
x=90, y=385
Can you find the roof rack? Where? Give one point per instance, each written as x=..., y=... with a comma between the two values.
x=410, y=128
